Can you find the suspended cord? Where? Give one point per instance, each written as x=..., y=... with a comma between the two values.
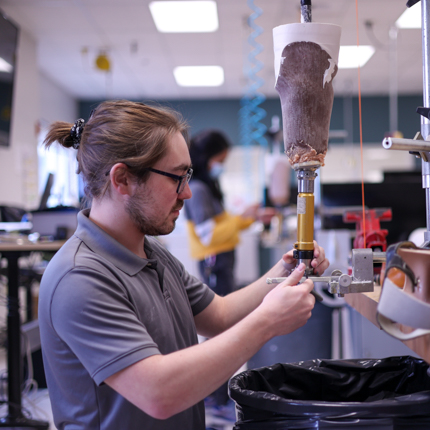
x=252, y=130
x=361, y=130
x=252, y=99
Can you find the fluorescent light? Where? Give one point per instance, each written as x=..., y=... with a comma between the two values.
x=351, y=56
x=5, y=66
x=410, y=18
x=199, y=76
x=185, y=16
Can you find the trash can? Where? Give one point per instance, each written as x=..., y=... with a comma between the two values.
x=381, y=394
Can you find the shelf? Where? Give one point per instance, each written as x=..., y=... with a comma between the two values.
x=366, y=303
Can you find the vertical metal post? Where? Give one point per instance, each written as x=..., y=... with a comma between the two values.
x=15, y=417
x=14, y=367
x=425, y=123
x=306, y=11
x=394, y=123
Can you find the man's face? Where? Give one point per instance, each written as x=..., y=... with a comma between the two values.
x=154, y=208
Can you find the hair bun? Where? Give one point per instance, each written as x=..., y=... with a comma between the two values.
x=76, y=132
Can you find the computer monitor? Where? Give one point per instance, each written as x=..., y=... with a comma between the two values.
x=46, y=192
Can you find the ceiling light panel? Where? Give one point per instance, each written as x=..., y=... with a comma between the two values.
x=199, y=76
x=353, y=56
x=185, y=16
x=410, y=18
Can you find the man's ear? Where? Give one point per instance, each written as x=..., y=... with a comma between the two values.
x=121, y=180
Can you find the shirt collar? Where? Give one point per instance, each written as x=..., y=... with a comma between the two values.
x=100, y=242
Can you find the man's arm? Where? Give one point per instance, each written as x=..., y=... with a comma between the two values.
x=164, y=385
x=224, y=312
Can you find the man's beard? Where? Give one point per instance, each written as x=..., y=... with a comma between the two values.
x=152, y=227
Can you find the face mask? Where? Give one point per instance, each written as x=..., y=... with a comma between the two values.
x=216, y=170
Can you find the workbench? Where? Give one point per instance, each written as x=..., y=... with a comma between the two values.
x=366, y=304
x=12, y=251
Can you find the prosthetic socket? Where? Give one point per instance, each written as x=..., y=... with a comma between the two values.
x=304, y=84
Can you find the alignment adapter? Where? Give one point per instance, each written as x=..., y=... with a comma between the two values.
x=304, y=247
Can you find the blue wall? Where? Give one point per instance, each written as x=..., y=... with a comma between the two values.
x=223, y=114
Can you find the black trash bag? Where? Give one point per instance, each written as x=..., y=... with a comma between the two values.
x=390, y=393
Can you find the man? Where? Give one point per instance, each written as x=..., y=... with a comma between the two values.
x=118, y=314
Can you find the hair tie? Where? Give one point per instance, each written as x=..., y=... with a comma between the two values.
x=76, y=132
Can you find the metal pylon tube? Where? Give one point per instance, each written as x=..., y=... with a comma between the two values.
x=425, y=122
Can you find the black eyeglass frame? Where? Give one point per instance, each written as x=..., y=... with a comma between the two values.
x=180, y=179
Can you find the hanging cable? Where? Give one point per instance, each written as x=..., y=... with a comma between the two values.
x=361, y=131
x=252, y=130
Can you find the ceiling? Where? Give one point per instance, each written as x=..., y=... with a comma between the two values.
x=71, y=33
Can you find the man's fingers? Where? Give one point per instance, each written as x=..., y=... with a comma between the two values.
x=319, y=263
x=289, y=261
x=309, y=284
x=296, y=274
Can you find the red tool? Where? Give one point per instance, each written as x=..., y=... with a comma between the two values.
x=375, y=236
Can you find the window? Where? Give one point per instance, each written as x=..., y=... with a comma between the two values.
x=61, y=162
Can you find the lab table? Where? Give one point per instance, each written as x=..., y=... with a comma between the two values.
x=12, y=251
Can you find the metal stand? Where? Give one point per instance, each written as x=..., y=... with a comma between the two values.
x=15, y=418
x=425, y=123
x=420, y=145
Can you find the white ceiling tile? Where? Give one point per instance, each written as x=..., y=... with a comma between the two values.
x=143, y=59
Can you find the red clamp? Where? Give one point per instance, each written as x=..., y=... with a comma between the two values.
x=375, y=236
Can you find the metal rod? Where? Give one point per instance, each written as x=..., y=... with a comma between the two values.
x=306, y=11
x=394, y=122
x=313, y=292
x=379, y=257
x=405, y=144
x=425, y=123
x=312, y=278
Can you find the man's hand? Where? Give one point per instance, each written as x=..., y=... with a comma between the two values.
x=288, y=306
x=319, y=263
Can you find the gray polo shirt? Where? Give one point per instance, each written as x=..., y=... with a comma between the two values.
x=103, y=308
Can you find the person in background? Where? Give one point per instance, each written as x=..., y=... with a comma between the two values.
x=213, y=232
x=118, y=314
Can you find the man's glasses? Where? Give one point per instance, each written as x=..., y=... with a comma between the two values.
x=182, y=180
